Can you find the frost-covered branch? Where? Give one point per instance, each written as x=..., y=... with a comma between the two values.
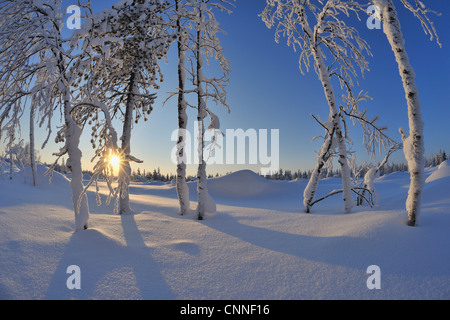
x=374, y=135
x=327, y=38
x=109, y=148
x=39, y=55
x=355, y=190
x=421, y=12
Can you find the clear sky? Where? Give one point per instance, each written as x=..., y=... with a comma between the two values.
x=267, y=91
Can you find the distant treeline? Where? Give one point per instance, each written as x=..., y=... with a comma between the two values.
x=431, y=161
x=156, y=175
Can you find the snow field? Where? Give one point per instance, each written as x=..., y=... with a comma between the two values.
x=258, y=245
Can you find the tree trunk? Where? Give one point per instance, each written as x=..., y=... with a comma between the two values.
x=414, y=148
x=334, y=117
x=11, y=140
x=125, y=168
x=369, y=177
x=32, y=157
x=182, y=188
x=346, y=175
x=322, y=158
x=201, y=172
x=73, y=134
x=205, y=202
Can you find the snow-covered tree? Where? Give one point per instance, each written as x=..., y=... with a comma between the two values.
x=375, y=140
x=32, y=148
x=42, y=106
x=14, y=82
x=413, y=145
x=337, y=51
x=197, y=30
x=441, y=157
x=12, y=115
x=32, y=31
x=206, y=45
x=370, y=176
x=19, y=92
x=130, y=40
x=179, y=17
x=107, y=149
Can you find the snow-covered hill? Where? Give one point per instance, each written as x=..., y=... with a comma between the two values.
x=259, y=245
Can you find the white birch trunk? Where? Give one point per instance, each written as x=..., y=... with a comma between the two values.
x=324, y=77
x=205, y=202
x=32, y=157
x=182, y=188
x=125, y=168
x=310, y=190
x=414, y=148
x=73, y=134
x=346, y=175
x=11, y=156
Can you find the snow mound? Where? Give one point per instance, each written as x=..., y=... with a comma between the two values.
x=244, y=183
x=394, y=176
x=57, y=179
x=298, y=180
x=137, y=178
x=266, y=248
x=443, y=171
x=25, y=175
x=4, y=168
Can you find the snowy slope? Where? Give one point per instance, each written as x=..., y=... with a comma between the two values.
x=259, y=244
x=442, y=172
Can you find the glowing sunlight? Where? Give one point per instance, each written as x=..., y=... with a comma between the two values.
x=115, y=163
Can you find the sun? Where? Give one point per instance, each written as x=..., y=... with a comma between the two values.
x=115, y=162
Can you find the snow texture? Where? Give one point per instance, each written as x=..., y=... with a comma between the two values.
x=258, y=245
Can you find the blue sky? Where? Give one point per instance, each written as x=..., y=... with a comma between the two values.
x=267, y=91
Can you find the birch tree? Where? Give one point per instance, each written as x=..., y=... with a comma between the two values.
x=207, y=44
x=107, y=149
x=375, y=140
x=33, y=31
x=197, y=30
x=42, y=108
x=413, y=145
x=21, y=88
x=328, y=39
x=9, y=126
x=179, y=17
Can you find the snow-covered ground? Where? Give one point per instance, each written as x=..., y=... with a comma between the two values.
x=259, y=245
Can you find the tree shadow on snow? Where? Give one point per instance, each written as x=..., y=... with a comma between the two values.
x=110, y=269
x=352, y=252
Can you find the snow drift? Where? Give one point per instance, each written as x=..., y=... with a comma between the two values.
x=265, y=249
x=25, y=176
x=244, y=183
x=442, y=172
